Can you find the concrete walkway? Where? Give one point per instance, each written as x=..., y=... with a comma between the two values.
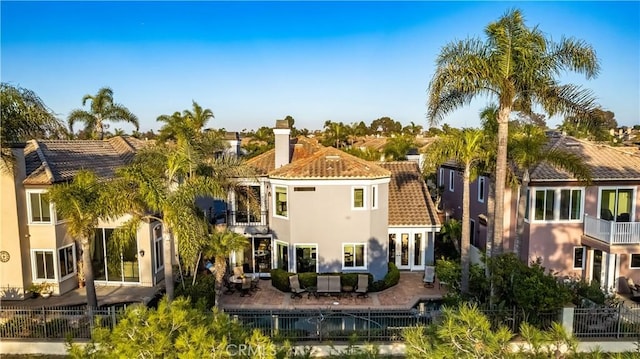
x=107, y=295
x=409, y=291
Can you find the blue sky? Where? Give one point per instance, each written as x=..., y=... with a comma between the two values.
x=255, y=62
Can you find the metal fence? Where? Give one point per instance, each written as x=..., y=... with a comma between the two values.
x=621, y=321
x=53, y=323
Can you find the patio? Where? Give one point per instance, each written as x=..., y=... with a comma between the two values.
x=107, y=295
x=409, y=291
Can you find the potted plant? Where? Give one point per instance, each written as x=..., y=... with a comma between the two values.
x=44, y=289
x=33, y=290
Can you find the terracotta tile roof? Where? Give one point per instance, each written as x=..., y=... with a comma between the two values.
x=607, y=163
x=51, y=161
x=409, y=201
x=301, y=147
x=330, y=163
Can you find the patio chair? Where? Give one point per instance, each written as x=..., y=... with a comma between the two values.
x=634, y=289
x=228, y=285
x=245, y=289
x=429, y=276
x=254, y=283
x=363, y=286
x=296, y=290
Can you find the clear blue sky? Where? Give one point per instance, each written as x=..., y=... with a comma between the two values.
x=255, y=62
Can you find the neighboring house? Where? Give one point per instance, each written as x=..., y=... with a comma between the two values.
x=590, y=232
x=34, y=244
x=319, y=209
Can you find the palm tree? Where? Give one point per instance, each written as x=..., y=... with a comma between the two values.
x=81, y=203
x=220, y=243
x=517, y=66
x=465, y=148
x=185, y=126
x=452, y=231
x=24, y=116
x=528, y=148
x=102, y=109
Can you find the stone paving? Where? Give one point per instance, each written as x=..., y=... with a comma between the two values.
x=107, y=295
x=409, y=291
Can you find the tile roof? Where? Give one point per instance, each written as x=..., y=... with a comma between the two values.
x=51, y=161
x=330, y=163
x=409, y=201
x=301, y=147
x=607, y=163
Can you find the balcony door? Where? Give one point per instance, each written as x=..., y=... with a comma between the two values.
x=617, y=204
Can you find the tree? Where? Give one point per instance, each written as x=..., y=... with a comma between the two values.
x=176, y=330
x=397, y=148
x=385, y=126
x=81, y=203
x=220, y=243
x=185, y=126
x=465, y=148
x=528, y=148
x=594, y=126
x=335, y=134
x=452, y=231
x=101, y=109
x=24, y=116
x=412, y=129
x=518, y=66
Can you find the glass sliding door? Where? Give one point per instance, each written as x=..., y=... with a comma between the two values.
x=306, y=258
x=282, y=256
x=112, y=263
x=616, y=204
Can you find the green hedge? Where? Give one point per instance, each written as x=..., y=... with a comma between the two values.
x=280, y=279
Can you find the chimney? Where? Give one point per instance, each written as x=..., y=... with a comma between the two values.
x=281, y=133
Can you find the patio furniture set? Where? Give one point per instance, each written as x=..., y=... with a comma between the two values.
x=239, y=281
x=329, y=285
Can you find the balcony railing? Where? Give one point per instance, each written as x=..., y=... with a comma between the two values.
x=612, y=232
x=243, y=218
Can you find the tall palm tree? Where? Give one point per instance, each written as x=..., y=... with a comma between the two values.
x=24, y=116
x=465, y=148
x=528, y=147
x=185, y=126
x=219, y=244
x=518, y=66
x=81, y=203
x=102, y=109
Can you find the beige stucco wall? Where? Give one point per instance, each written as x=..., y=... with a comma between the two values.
x=325, y=217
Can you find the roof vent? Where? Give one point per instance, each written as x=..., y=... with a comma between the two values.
x=332, y=157
x=572, y=144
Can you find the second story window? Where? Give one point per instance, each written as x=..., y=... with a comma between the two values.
x=374, y=197
x=358, y=198
x=39, y=207
x=281, y=201
x=452, y=178
x=481, y=185
x=557, y=204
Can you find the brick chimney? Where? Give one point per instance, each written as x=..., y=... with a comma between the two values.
x=281, y=133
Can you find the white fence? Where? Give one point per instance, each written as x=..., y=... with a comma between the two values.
x=612, y=232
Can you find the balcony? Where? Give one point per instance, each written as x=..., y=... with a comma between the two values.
x=610, y=232
x=249, y=219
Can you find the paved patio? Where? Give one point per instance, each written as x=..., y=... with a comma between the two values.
x=107, y=295
x=409, y=291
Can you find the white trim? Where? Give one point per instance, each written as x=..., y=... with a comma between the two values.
x=452, y=177
x=328, y=182
x=296, y=245
x=275, y=254
x=354, y=267
x=630, y=260
x=281, y=131
x=556, y=205
x=482, y=188
x=155, y=249
x=52, y=213
x=73, y=254
x=573, y=259
x=274, y=197
x=34, y=268
x=353, y=198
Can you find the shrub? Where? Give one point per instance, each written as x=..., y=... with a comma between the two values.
x=390, y=279
x=201, y=293
x=308, y=279
x=280, y=279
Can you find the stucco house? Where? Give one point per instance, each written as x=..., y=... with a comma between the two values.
x=34, y=244
x=323, y=210
x=584, y=231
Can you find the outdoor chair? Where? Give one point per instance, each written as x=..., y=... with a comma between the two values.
x=230, y=289
x=363, y=286
x=296, y=290
x=633, y=288
x=254, y=283
x=245, y=289
x=429, y=276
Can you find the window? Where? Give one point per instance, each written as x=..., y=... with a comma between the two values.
x=67, y=260
x=354, y=255
x=281, y=201
x=247, y=204
x=158, y=259
x=578, y=257
x=441, y=179
x=557, y=204
x=306, y=258
x=358, y=197
x=452, y=175
x=43, y=260
x=481, y=181
x=374, y=197
x=417, y=249
x=304, y=189
x=635, y=261
x=570, y=201
x=616, y=204
x=527, y=205
x=39, y=207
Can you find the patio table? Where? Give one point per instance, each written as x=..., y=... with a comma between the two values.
x=312, y=291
